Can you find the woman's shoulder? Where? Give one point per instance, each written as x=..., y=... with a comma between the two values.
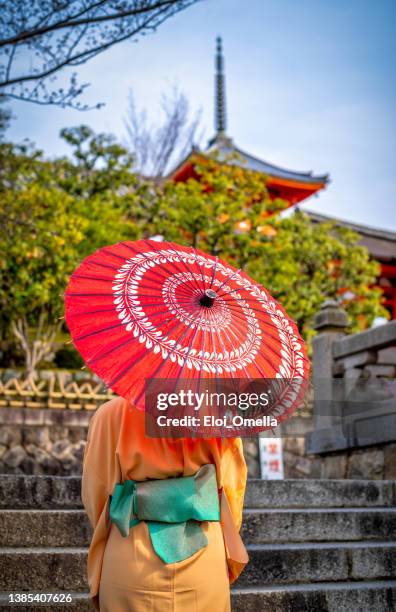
x=232, y=445
x=109, y=413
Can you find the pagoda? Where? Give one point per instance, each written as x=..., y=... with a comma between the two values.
x=293, y=187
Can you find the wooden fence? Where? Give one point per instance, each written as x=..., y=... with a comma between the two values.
x=52, y=389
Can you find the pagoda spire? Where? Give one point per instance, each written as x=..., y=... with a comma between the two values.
x=220, y=103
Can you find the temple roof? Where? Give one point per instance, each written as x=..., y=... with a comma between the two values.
x=225, y=147
x=380, y=243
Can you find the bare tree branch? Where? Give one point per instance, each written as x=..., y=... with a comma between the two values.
x=73, y=23
x=36, y=346
x=40, y=38
x=156, y=147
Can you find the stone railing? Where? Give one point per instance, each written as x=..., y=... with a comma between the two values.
x=354, y=393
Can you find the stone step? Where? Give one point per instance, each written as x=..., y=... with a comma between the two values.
x=39, y=569
x=318, y=525
x=313, y=562
x=17, y=491
x=40, y=528
x=301, y=493
x=71, y=527
x=80, y=602
x=377, y=596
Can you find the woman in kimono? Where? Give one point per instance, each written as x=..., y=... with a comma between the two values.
x=125, y=573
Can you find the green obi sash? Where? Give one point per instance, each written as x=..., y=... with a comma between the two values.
x=172, y=509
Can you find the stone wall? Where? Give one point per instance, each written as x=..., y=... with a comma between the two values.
x=252, y=458
x=42, y=441
x=35, y=441
x=374, y=463
x=53, y=441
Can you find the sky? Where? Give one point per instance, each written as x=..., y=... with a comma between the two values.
x=310, y=85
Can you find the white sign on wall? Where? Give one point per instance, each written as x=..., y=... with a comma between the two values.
x=271, y=458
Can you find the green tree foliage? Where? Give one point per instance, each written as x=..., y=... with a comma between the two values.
x=226, y=210
x=100, y=179
x=303, y=263
x=53, y=214
x=39, y=236
x=218, y=210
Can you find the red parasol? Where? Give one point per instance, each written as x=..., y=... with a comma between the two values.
x=145, y=309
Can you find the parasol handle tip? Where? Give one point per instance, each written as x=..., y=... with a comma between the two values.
x=208, y=298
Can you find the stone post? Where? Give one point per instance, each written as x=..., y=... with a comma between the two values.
x=331, y=322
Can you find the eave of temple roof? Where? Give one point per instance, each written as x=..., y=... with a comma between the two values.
x=224, y=146
x=380, y=243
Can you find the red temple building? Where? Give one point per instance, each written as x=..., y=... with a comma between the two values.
x=293, y=187
x=381, y=244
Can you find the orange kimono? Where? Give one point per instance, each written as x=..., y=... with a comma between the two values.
x=124, y=573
